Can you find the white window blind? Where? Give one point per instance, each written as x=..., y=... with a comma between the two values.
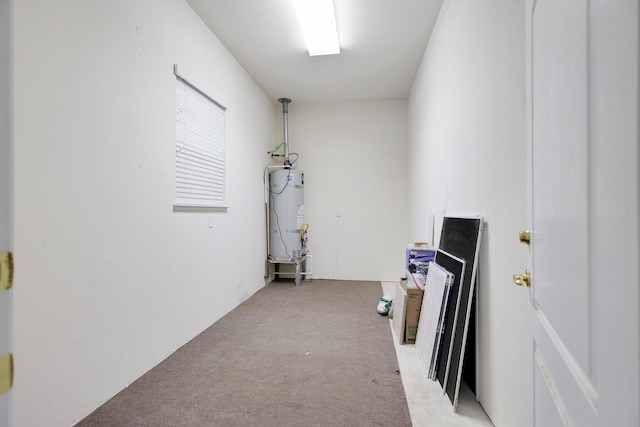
x=200, y=140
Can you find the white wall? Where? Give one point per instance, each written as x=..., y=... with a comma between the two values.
x=468, y=156
x=354, y=157
x=110, y=279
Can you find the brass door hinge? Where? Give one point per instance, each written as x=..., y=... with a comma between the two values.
x=6, y=372
x=6, y=270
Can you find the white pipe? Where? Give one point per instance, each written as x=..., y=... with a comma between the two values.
x=308, y=265
x=285, y=115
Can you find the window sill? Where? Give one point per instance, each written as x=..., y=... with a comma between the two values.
x=199, y=208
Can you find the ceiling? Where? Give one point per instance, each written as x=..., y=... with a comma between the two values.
x=382, y=44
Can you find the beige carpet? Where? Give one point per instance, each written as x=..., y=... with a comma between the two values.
x=317, y=355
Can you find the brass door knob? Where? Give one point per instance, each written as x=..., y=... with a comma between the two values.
x=525, y=236
x=522, y=280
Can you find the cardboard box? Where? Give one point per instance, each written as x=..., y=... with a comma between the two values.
x=413, y=306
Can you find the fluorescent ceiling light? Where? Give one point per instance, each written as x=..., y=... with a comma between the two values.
x=318, y=22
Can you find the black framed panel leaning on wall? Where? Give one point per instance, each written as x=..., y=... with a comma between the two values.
x=461, y=237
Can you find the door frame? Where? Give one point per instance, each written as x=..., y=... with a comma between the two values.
x=6, y=190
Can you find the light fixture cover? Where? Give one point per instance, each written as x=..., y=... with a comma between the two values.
x=318, y=23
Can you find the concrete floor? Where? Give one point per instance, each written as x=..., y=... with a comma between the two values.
x=428, y=406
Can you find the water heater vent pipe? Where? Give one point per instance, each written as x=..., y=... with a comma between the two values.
x=285, y=115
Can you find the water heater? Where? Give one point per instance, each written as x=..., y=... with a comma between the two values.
x=286, y=214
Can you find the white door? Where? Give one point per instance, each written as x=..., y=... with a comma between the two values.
x=582, y=116
x=5, y=209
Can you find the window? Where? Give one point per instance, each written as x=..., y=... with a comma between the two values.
x=200, y=139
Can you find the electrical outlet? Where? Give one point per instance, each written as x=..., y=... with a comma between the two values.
x=210, y=221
